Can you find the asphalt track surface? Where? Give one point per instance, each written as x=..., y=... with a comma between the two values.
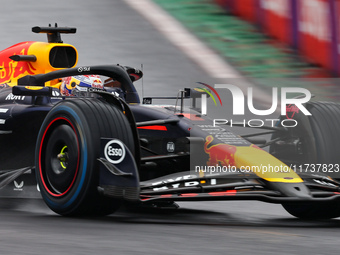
x=111, y=32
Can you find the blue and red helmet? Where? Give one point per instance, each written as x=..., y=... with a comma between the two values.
x=82, y=83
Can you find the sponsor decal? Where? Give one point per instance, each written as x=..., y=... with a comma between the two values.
x=96, y=90
x=170, y=146
x=55, y=93
x=18, y=186
x=83, y=89
x=114, y=151
x=147, y=100
x=219, y=153
x=10, y=69
x=97, y=83
x=291, y=110
x=175, y=183
x=83, y=69
x=181, y=182
x=12, y=97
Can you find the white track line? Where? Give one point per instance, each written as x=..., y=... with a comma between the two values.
x=173, y=30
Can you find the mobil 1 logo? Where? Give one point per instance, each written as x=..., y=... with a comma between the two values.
x=114, y=151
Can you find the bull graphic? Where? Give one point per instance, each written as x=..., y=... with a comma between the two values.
x=11, y=69
x=221, y=153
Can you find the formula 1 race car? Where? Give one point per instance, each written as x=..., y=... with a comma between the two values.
x=89, y=152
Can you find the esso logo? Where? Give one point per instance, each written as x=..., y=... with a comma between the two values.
x=114, y=151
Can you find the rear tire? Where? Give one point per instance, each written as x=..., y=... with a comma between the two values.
x=325, y=124
x=68, y=146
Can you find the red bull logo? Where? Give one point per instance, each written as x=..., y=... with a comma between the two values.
x=223, y=154
x=11, y=70
x=97, y=83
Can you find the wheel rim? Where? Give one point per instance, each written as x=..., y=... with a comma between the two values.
x=59, y=157
x=63, y=157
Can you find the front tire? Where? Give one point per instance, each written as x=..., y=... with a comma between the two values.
x=68, y=146
x=313, y=210
x=319, y=136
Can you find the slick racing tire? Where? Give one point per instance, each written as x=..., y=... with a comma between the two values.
x=67, y=150
x=320, y=142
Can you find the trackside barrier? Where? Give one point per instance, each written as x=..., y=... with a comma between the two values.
x=312, y=27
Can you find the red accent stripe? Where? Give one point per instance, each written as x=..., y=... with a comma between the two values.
x=145, y=197
x=223, y=193
x=135, y=75
x=40, y=149
x=166, y=196
x=212, y=90
x=189, y=195
x=159, y=128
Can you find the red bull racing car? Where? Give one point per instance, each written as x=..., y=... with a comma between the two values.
x=97, y=147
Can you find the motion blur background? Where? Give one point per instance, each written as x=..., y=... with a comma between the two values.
x=270, y=39
x=310, y=28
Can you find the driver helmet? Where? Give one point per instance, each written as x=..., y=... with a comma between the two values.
x=80, y=83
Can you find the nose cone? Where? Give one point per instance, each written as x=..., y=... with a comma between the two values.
x=255, y=160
